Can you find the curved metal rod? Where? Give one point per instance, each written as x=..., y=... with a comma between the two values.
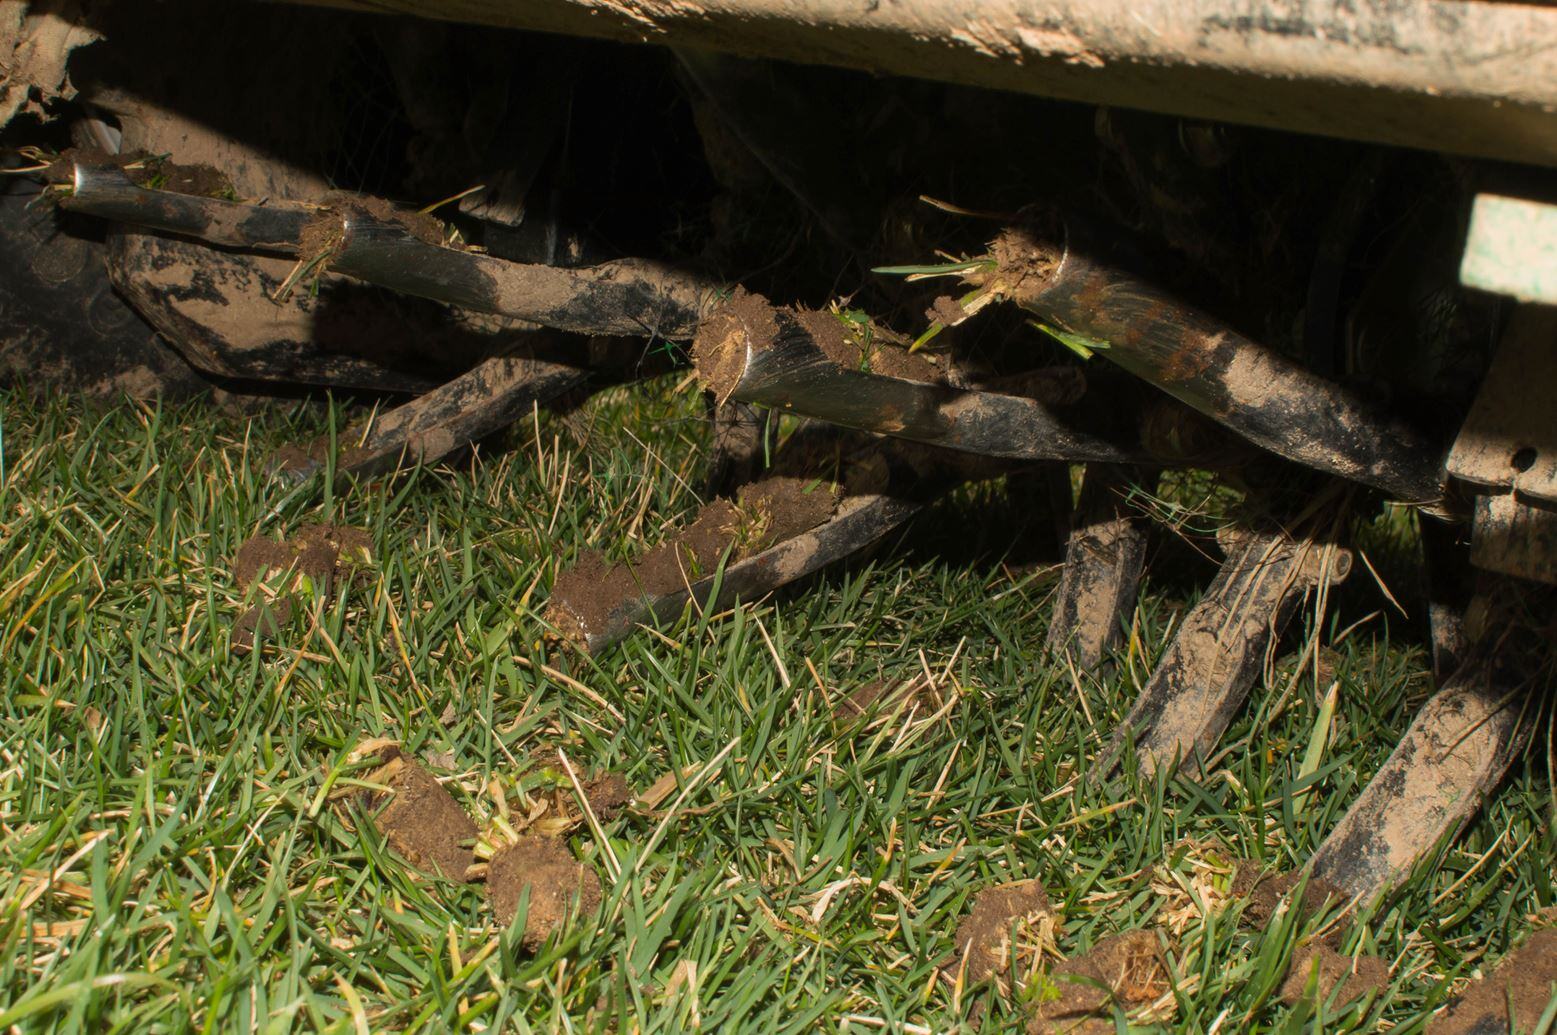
x=1057, y=272
x=625, y=297
x=107, y=192
x=774, y=359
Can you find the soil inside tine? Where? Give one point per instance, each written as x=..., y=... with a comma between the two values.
x=1105, y=555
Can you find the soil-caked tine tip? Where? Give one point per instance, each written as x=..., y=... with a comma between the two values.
x=745, y=322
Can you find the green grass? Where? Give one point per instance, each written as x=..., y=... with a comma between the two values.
x=173, y=856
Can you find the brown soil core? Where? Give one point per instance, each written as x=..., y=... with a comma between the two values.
x=1126, y=969
x=853, y=347
x=1329, y=969
x=423, y=226
x=585, y=597
x=1525, y=980
x=1265, y=892
x=319, y=553
x=858, y=702
x=607, y=794
x=946, y=311
x=555, y=879
x=322, y=238
x=984, y=935
x=421, y=820
x=719, y=347
x=149, y=171
x=1025, y=257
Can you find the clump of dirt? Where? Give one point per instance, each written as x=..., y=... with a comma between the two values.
x=782, y=507
x=321, y=239
x=555, y=879
x=1025, y=258
x=421, y=820
x=1356, y=977
x=1511, y=998
x=322, y=552
x=423, y=226
x=858, y=702
x=149, y=171
x=947, y=311
x=984, y=937
x=1265, y=891
x=607, y=793
x=310, y=562
x=855, y=346
x=586, y=597
x=310, y=456
x=719, y=347
x=1126, y=970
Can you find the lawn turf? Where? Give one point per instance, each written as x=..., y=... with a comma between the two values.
x=177, y=852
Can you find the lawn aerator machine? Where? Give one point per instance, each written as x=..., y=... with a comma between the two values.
x=1303, y=254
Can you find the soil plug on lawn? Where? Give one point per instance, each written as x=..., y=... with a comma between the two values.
x=555, y=881
x=1080, y=994
x=421, y=820
x=283, y=571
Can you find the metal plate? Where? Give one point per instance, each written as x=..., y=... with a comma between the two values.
x=1515, y=539
x=1511, y=248
x=1509, y=440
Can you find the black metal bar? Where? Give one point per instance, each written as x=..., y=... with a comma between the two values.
x=107, y=192
x=479, y=402
x=1104, y=558
x=1056, y=269
x=625, y=297
x=772, y=356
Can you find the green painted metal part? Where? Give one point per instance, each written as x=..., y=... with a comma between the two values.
x=1511, y=248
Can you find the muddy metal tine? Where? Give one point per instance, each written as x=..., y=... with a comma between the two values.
x=858, y=522
x=1451, y=584
x=1056, y=268
x=485, y=399
x=740, y=436
x=1457, y=749
x=776, y=361
x=1213, y=661
x=1104, y=558
x=891, y=482
x=627, y=297
x=107, y=192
